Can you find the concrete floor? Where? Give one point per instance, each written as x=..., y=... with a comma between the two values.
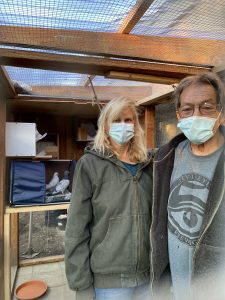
x=53, y=274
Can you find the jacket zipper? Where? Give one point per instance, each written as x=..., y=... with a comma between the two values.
x=137, y=207
x=151, y=243
x=138, y=217
x=138, y=225
x=206, y=228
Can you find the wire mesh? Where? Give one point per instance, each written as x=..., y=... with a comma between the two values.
x=166, y=123
x=44, y=77
x=94, y=15
x=197, y=19
x=36, y=78
x=47, y=237
x=193, y=19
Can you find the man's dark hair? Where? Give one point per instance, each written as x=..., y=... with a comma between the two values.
x=201, y=79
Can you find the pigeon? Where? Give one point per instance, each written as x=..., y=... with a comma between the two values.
x=53, y=182
x=62, y=185
x=39, y=136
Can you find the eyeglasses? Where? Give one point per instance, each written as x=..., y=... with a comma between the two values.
x=204, y=108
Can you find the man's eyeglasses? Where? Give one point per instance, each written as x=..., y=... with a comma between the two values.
x=205, y=109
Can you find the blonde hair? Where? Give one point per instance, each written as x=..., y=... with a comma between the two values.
x=137, y=149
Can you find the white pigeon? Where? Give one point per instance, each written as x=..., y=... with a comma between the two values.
x=62, y=185
x=53, y=182
x=39, y=136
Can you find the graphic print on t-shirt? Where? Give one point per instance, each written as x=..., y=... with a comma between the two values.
x=186, y=206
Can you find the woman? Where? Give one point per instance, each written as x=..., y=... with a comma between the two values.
x=107, y=233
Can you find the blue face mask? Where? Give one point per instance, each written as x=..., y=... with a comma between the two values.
x=197, y=129
x=121, y=132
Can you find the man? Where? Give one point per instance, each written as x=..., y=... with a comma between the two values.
x=188, y=227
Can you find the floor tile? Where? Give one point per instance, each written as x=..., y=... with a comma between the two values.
x=25, y=271
x=53, y=274
x=46, y=268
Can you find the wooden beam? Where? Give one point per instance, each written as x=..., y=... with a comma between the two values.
x=54, y=99
x=93, y=65
x=158, y=97
x=104, y=93
x=130, y=21
x=141, y=77
x=135, y=15
x=84, y=94
x=54, y=107
x=150, y=126
x=23, y=209
x=41, y=260
x=164, y=49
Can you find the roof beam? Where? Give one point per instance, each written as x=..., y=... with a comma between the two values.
x=54, y=105
x=158, y=97
x=130, y=21
x=103, y=92
x=163, y=49
x=135, y=15
x=141, y=77
x=58, y=99
x=93, y=65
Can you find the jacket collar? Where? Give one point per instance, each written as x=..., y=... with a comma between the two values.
x=165, y=149
x=113, y=158
x=173, y=143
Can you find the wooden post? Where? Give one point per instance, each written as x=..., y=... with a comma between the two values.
x=2, y=188
x=150, y=126
x=6, y=91
x=7, y=257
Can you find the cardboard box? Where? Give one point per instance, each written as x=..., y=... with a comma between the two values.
x=20, y=139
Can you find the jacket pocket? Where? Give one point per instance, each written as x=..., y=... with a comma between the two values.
x=117, y=251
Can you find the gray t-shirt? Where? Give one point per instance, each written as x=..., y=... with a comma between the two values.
x=189, y=188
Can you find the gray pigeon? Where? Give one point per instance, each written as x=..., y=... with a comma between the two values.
x=63, y=184
x=53, y=182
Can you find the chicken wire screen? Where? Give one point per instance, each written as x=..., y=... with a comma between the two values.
x=193, y=19
x=94, y=15
x=166, y=123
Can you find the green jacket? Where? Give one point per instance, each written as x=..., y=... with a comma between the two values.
x=107, y=232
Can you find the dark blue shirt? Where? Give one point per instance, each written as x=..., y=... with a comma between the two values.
x=131, y=167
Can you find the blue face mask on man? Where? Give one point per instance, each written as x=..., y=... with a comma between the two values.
x=198, y=129
x=121, y=132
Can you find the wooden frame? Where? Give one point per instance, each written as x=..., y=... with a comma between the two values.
x=94, y=65
x=162, y=49
x=9, y=213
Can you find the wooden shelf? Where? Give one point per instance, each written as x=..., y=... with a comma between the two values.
x=46, y=157
x=84, y=140
x=20, y=209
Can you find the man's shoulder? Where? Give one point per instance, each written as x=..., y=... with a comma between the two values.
x=164, y=150
x=152, y=152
